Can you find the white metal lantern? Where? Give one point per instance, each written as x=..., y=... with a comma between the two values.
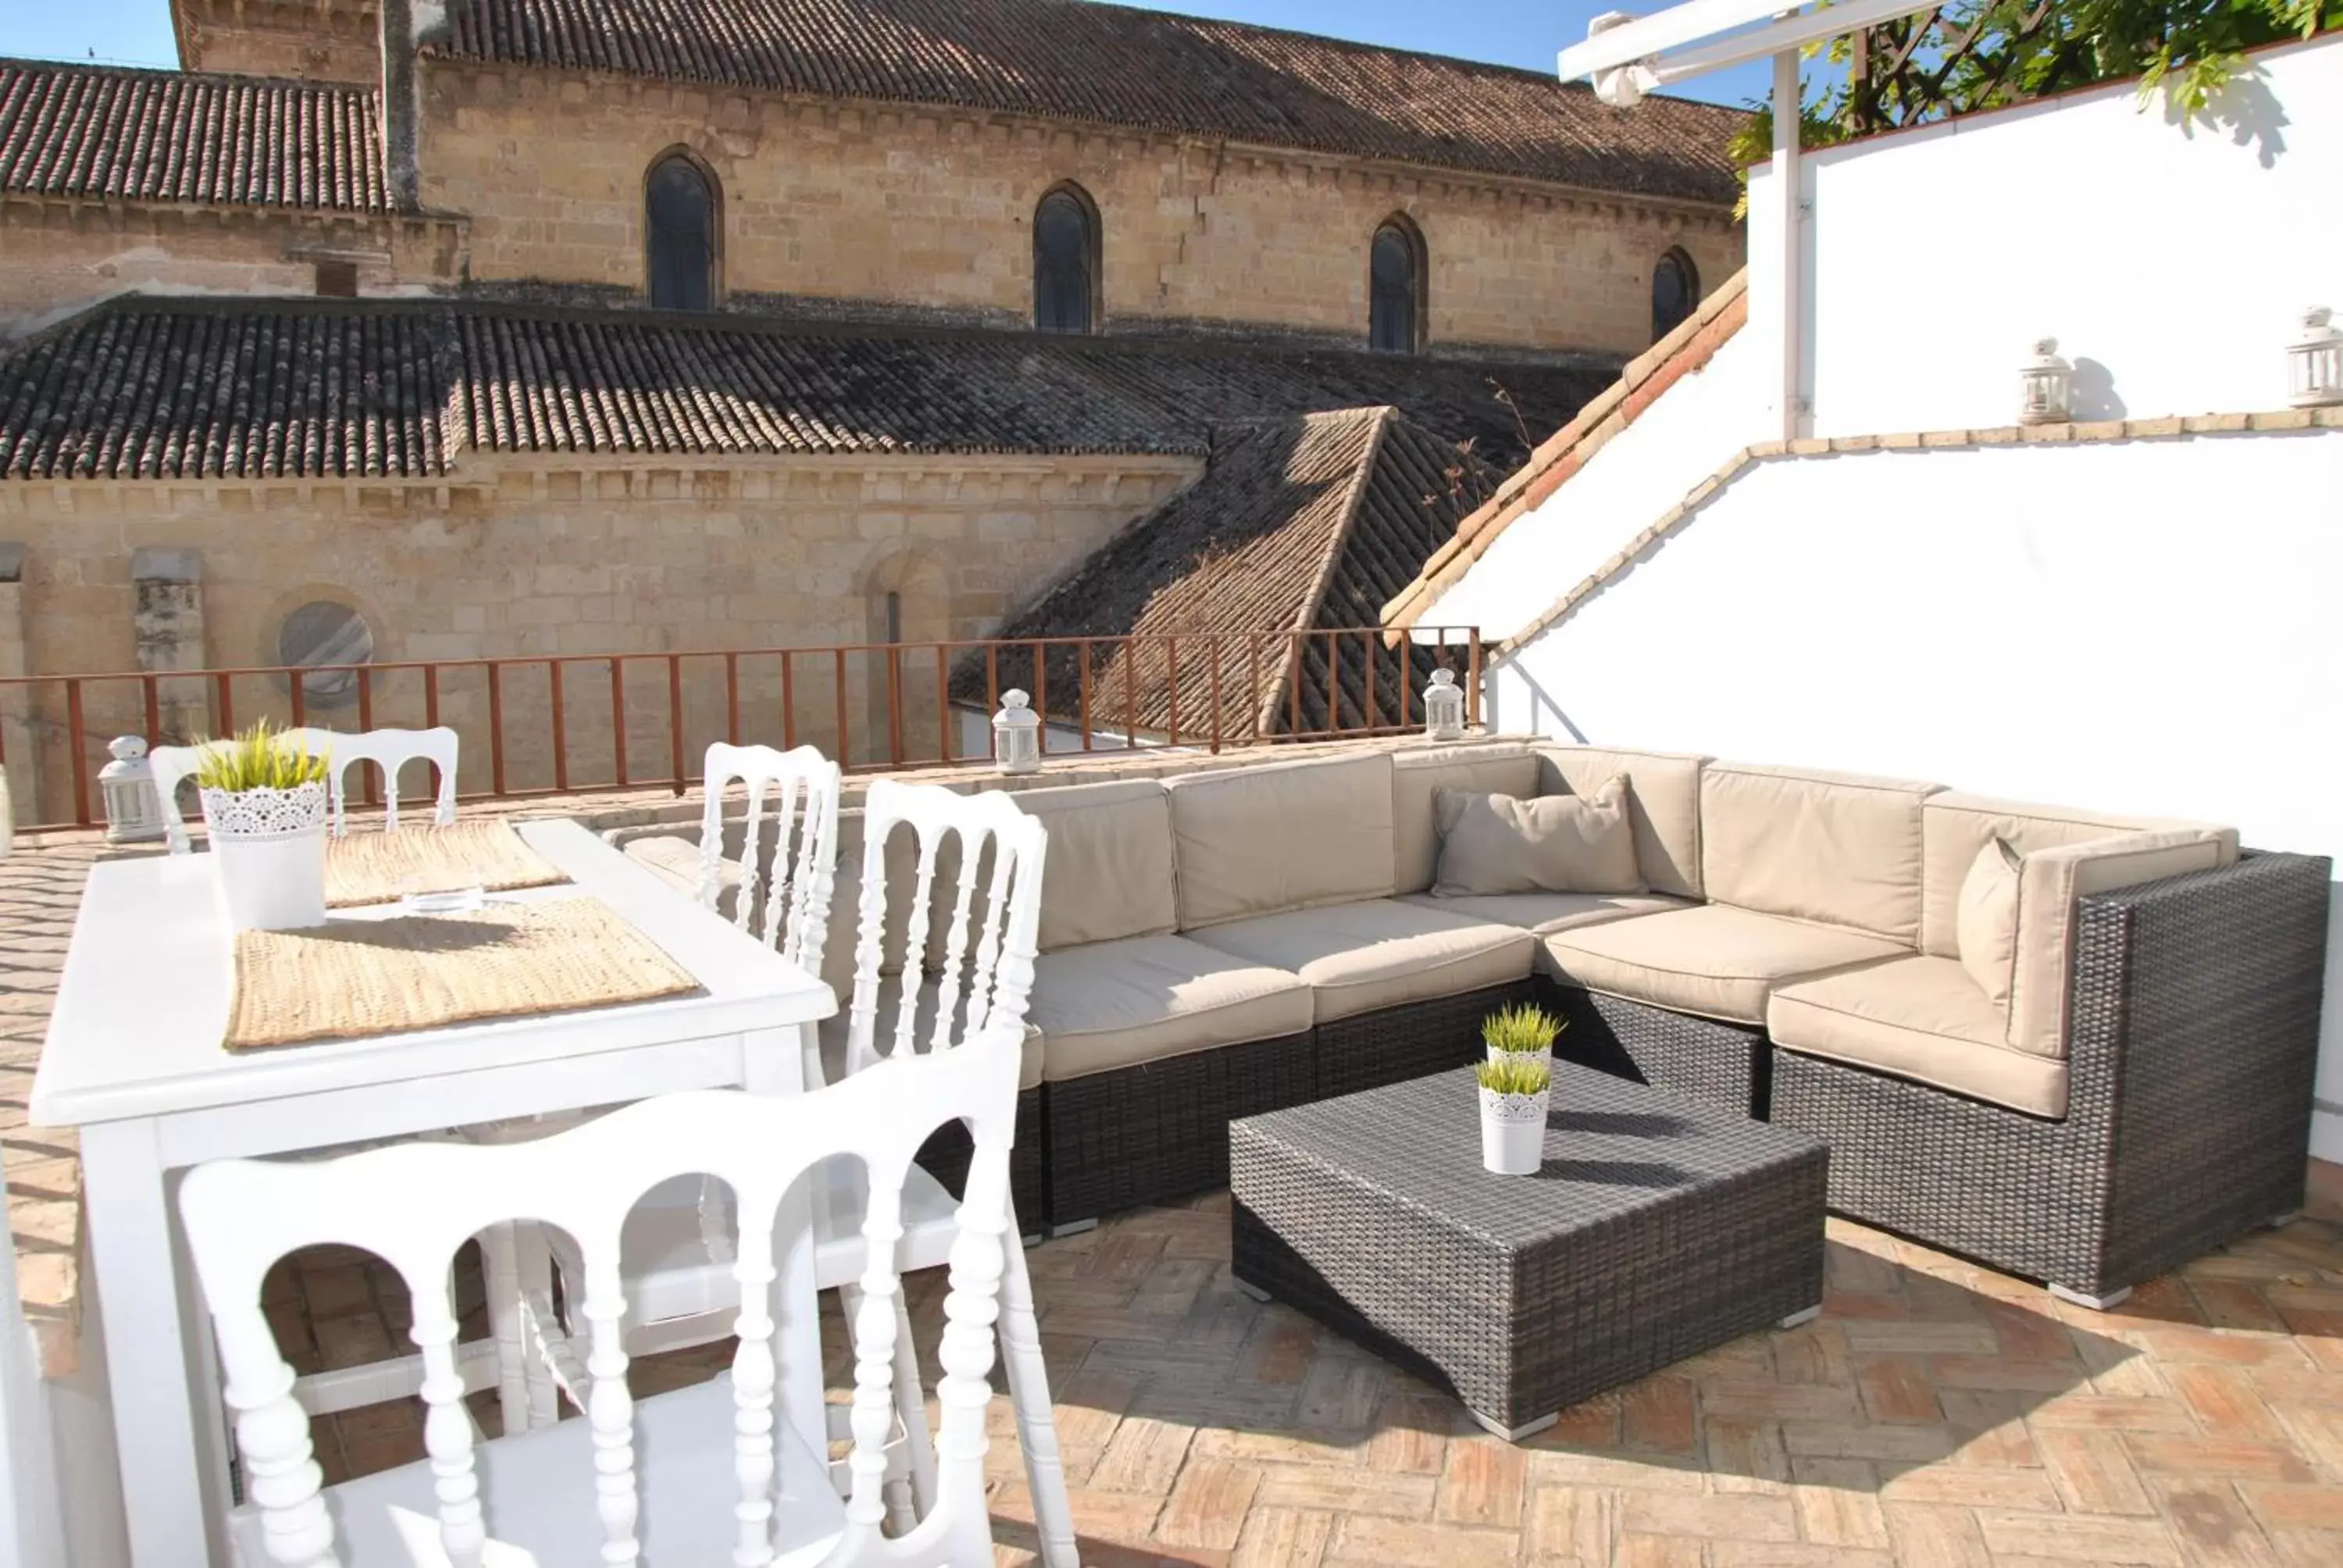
x=2046, y=386
x=1017, y=734
x=2314, y=362
x=1443, y=706
x=133, y=810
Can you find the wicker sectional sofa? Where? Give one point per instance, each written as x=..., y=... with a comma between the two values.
x=1219, y=943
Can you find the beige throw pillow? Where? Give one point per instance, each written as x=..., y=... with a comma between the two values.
x=1552, y=844
x=1985, y=927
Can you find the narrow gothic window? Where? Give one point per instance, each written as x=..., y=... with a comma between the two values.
x=1065, y=263
x=1394, y=289
x=1676, y=288
x=681, y=209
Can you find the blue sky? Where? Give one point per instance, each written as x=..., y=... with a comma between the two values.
x=1512, y=31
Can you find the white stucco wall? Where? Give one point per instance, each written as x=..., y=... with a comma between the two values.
x=2171, y=263
x=1696, y=425
x=2141, y=626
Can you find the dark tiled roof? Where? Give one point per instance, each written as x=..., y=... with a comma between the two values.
x=107, y=133
x=1298, y=525
x=1108, y=65
x=149, y=388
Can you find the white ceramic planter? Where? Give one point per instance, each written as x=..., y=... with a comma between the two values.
x=271, y=847
x=1543, y=1058
x=1512, y=1132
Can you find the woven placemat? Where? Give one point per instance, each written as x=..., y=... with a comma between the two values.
x=350, y=978
x=384, y=867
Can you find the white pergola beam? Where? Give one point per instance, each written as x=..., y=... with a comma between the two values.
x=1690, y=46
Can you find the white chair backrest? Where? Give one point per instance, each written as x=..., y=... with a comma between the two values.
x=390, y=749
x=997, y=849
x=171, y=765
x=387, y=748
x=799, y=790
x=414, y=1204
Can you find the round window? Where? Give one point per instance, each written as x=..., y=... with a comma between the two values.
x=326, y=634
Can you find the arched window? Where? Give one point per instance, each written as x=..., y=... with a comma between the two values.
x=1395, y=289
x=1676, y=289
x=1065, y=261
x=679, y=205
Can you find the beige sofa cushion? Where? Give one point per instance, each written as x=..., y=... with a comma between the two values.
x=1108, y=872
x=1838, y=848
x=1955, y=825
x=1663, y=804
x=1491, y=844
x=2049, y=884
x=1360, y=957
x=1497, y=769
x=1715, y=960
x=1287, y=836
x=1987, y=924
x=1143, y=998
x=832, y=1032
x=1544, y=914
x=1917, y=1018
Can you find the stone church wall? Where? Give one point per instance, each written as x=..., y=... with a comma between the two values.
x=844, y=202
x=640, y=558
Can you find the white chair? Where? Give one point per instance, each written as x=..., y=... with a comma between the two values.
x=794, y=883
x=678, y=1284
x=390, y=749
x=684, y=1477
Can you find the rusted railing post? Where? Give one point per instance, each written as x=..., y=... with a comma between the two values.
x=560, y=724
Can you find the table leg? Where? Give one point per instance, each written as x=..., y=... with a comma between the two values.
x=165, y=1431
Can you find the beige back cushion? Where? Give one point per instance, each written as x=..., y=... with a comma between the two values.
x=1988, y=922
x=1108, y=872
x=1955, y=825
x=1502, y=768
x=2049, y=880
x=1289, y=835
x=1839, y=847
x=1662, y=805
x=1496, y=844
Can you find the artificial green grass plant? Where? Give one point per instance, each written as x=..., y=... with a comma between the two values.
x=259, y=758
x=1520, y=1028
x=1514, y=1075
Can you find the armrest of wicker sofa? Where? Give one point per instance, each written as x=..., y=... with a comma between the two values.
x=2193, y=1042
x=2192, y=1036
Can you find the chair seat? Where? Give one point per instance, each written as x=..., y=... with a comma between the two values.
x=1918, y=1017
x=833, y=1031
x=1716, y=960
x=1544, y=914
x=1107, y=1005
x=537, y=1490
x=1379, y=953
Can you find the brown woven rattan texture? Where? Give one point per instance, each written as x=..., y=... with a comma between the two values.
x=1398, y=1043
x=1726, y=1065
x=1658, y=1228
x=949, y=1149
x=1142, y=1134
x=2193, y=1042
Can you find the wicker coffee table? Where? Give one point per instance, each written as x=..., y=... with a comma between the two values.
x=1660, y=1227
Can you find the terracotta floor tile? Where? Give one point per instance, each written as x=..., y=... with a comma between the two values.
x=2093, y=1471
x=1483, y=1483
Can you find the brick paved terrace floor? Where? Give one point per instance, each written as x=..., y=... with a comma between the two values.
x=1936, y=1413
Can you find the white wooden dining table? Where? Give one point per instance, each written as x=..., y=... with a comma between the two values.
x=133, y=1059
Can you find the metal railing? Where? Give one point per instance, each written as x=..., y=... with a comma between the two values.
x=567, y=724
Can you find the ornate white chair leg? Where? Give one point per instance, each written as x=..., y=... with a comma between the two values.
x=1037, y=1427
x=500, y=1261
x=911, y=1409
